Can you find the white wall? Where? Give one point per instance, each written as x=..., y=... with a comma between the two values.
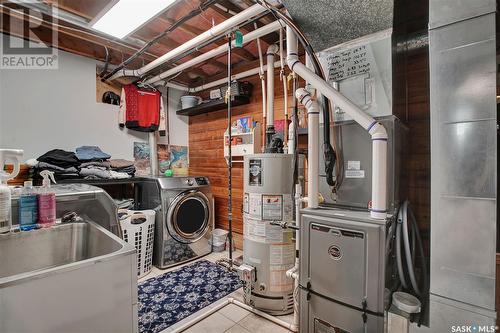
x=46, y=109
x=179, y=125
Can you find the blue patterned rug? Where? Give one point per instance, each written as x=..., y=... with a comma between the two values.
x=171, y=297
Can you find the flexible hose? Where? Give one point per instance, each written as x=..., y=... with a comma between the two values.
x=425, y=289
x=399, y=257
x=388, y=241
x=408, y=253
x=403, y=226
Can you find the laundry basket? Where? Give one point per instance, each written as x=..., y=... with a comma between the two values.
x=138, y=230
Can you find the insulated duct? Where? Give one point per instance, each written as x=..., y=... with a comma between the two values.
x=215, y=31
x=327, y=23
x=271, y=27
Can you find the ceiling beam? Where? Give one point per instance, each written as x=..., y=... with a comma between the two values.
x=69, y=37
x=147, y=33
x=87, y=9
x=195, y=31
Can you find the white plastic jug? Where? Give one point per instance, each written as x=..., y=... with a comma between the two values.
x=12, y=156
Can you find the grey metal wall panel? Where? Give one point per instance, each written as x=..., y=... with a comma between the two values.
x=463, y=249
x=467, y=155
x=442, y=12
x=465, y=68
x=463, y=154
x=445, y=313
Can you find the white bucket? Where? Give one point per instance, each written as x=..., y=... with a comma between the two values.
x=219, y=237
x=189, y=101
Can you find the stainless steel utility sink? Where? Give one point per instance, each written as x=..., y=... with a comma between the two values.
x=46, y=274
x=29, y=253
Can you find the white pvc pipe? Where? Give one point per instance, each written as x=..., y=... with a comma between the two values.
x=291, y=136
x=304, y=98
x=271, y=27
x=196, y=41
x=271, y=52
x=228, y=301
x=175, y=86
x=285, y=93
x=153, y=152
x=263, y=89
x=376, y=130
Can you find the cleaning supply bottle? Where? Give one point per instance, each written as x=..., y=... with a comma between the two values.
x=28, y=207
x=5, y=205
x=5, y=193
x=46, y=201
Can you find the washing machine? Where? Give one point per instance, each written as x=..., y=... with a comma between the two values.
x=184, y=217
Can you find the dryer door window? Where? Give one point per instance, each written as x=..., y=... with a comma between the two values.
x=188, y=216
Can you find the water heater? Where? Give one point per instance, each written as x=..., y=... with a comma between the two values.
x=268, y=249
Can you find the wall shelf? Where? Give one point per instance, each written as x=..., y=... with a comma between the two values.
x=251, y=144
x=214, y=105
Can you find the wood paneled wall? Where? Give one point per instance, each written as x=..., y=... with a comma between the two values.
x=418, y=154
x=206, y=153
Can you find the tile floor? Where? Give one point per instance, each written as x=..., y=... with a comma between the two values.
x=229, y=319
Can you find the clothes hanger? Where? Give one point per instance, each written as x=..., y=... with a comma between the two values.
x=145, y=85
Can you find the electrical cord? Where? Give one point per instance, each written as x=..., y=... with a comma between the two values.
x=106, y=63
x=174, y=26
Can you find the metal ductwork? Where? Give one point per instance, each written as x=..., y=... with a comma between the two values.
x=327, y=23
x=462, y=59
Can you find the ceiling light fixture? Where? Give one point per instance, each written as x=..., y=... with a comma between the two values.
x=125, y=16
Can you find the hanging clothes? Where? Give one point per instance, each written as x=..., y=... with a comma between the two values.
x=142, y=110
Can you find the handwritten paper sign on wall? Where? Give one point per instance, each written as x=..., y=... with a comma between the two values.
x=348, y=63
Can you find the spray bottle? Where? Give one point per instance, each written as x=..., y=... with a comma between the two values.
x=28, y=207
x=5, y=194
x=46, y=201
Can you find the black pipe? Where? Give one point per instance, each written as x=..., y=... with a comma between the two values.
x=230, y=163
x=174, y=26
x=106, y=62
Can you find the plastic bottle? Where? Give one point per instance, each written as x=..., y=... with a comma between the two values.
x=28, y=207
x=5, y=207
x=5, y=193
x=46, y=201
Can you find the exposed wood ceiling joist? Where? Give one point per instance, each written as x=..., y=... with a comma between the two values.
x=84, y=41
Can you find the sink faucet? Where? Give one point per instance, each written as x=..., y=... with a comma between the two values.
x=69, y=217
